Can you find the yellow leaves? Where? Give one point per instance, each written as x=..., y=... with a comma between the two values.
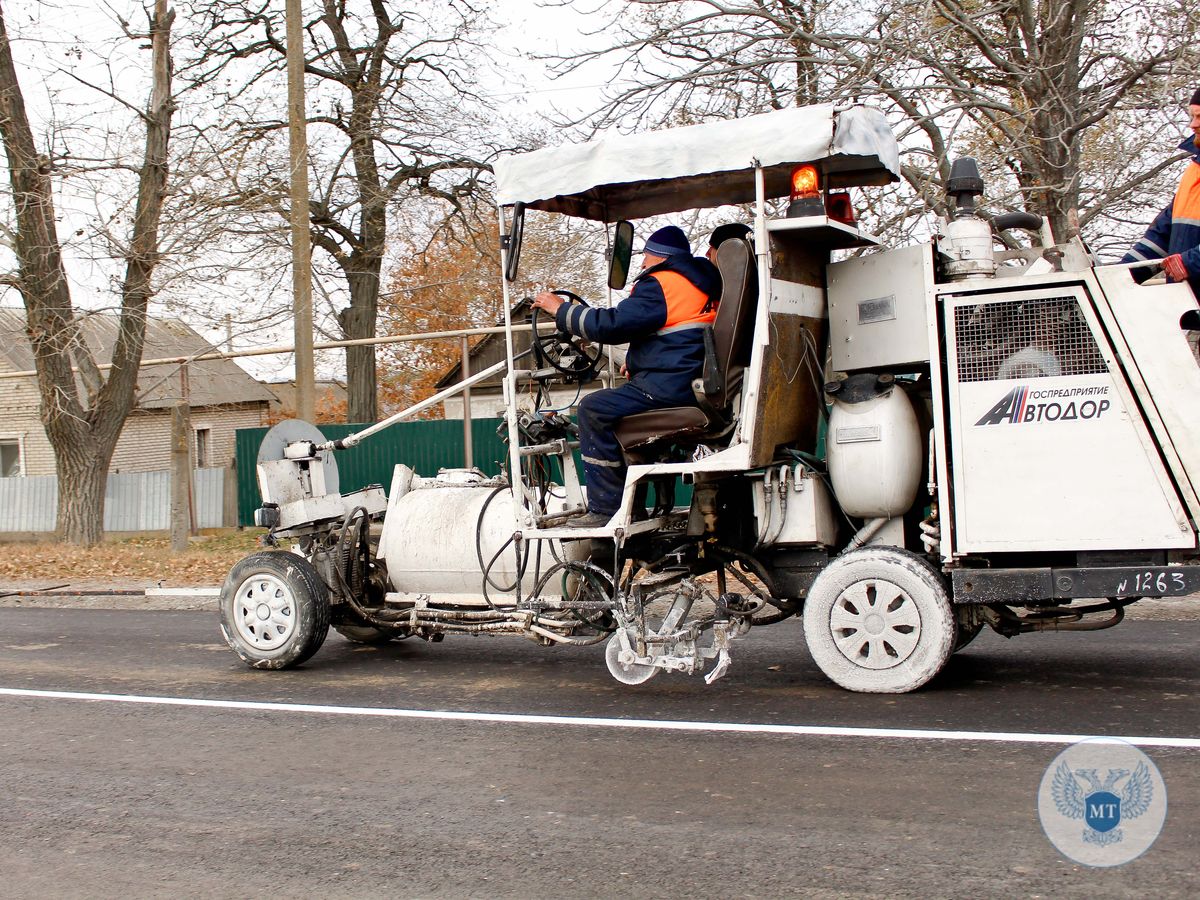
x=206, y=561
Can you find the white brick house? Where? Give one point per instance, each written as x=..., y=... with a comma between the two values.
x=222, y=398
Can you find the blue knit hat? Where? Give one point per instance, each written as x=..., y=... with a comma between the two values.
x=669, y=241
x=1196, y=98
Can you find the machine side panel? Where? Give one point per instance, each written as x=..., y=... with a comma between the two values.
x=1148, y=318
x=878, y=309
x=1049, y=451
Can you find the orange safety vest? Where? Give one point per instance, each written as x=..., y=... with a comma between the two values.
x=687, y=305
x=1186, y=209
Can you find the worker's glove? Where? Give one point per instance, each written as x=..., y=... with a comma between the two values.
x=1175, y=269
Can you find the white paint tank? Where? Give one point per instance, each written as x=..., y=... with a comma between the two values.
x=874, y=447
x=429, y=540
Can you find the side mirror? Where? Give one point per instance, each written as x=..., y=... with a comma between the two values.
x=622, y=253
x=511, y=242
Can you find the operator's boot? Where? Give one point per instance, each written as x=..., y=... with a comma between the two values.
x=587, y=520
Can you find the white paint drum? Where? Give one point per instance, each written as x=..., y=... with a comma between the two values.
x=875, y=455
x=429, y=543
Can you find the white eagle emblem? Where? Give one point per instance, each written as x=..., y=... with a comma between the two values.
x=1101, y=809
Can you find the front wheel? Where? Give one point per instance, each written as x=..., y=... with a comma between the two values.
x=274, y=610
x=879, y=620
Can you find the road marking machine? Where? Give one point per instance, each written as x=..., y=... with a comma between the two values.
x=901, y=447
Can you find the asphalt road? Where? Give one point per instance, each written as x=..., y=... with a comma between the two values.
x=107, y=799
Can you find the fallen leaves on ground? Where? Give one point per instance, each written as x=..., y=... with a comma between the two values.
x=207, y=560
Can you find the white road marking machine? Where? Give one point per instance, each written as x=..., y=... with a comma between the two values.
x=1006, y=435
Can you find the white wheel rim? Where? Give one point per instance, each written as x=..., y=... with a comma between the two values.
x=264, y=612
x=875, y=624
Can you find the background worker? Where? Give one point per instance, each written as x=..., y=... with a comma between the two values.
x=723, y=233
x=1174, y=236
x=673, y=298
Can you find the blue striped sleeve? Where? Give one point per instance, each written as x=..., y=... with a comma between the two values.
x=1151, y=245
x=640, y=314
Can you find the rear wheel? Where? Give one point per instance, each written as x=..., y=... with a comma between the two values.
x=879, y=620
x=274, y=610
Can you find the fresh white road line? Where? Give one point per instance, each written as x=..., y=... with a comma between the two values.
x=919, y=734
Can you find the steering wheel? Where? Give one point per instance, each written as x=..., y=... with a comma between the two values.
x=564, y=352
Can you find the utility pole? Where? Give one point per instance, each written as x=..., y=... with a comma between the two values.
x=181, y=476
x=301, y=240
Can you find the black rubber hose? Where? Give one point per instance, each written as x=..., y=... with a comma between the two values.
x=1005, y=221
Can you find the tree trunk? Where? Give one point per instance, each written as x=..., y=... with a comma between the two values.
x=358, y=322
x=82, y=477
x=83, y=434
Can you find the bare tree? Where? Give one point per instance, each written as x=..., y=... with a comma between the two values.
x=83, y=418
x=1022, y=83
x=389, y=91
x=450, y=279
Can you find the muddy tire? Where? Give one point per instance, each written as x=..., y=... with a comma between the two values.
x=274, y=610
x=879, y=620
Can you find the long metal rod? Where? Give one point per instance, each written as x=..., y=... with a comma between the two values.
x=762, y=248
x=1136, y=264
x=521, y=511
x=289, y=348
x=468, y=438
x=351, y=439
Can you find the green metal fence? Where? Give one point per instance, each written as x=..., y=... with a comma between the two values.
x=425, y=446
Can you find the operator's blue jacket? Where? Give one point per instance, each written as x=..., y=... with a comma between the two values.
x=662, y=319
x=1177, y=228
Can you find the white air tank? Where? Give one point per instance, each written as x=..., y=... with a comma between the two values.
x=429, y=538
x=873, y=447
x=966, y=249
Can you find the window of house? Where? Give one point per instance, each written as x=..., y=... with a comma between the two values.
x=203, y=447
x=10, y=458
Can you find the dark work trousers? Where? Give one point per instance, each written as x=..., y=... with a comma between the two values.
x=603, y=462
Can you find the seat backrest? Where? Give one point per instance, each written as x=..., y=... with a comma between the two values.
x=735, y=315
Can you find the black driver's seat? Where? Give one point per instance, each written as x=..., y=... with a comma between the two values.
x=727, y=353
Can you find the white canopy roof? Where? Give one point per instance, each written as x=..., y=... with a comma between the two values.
x=697, y=166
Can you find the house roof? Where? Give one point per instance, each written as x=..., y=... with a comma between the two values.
x=490, y=350
x=285, y=391
x=214, y=382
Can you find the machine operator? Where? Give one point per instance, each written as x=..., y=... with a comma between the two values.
x=1174, y=236
x=673, y=298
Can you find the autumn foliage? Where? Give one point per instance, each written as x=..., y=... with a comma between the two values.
x=328, y=409
x=454, y=283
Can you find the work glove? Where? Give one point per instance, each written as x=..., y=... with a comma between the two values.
x=1175, y=269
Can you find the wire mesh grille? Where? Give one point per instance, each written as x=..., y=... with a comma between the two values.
x=1024, y=339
